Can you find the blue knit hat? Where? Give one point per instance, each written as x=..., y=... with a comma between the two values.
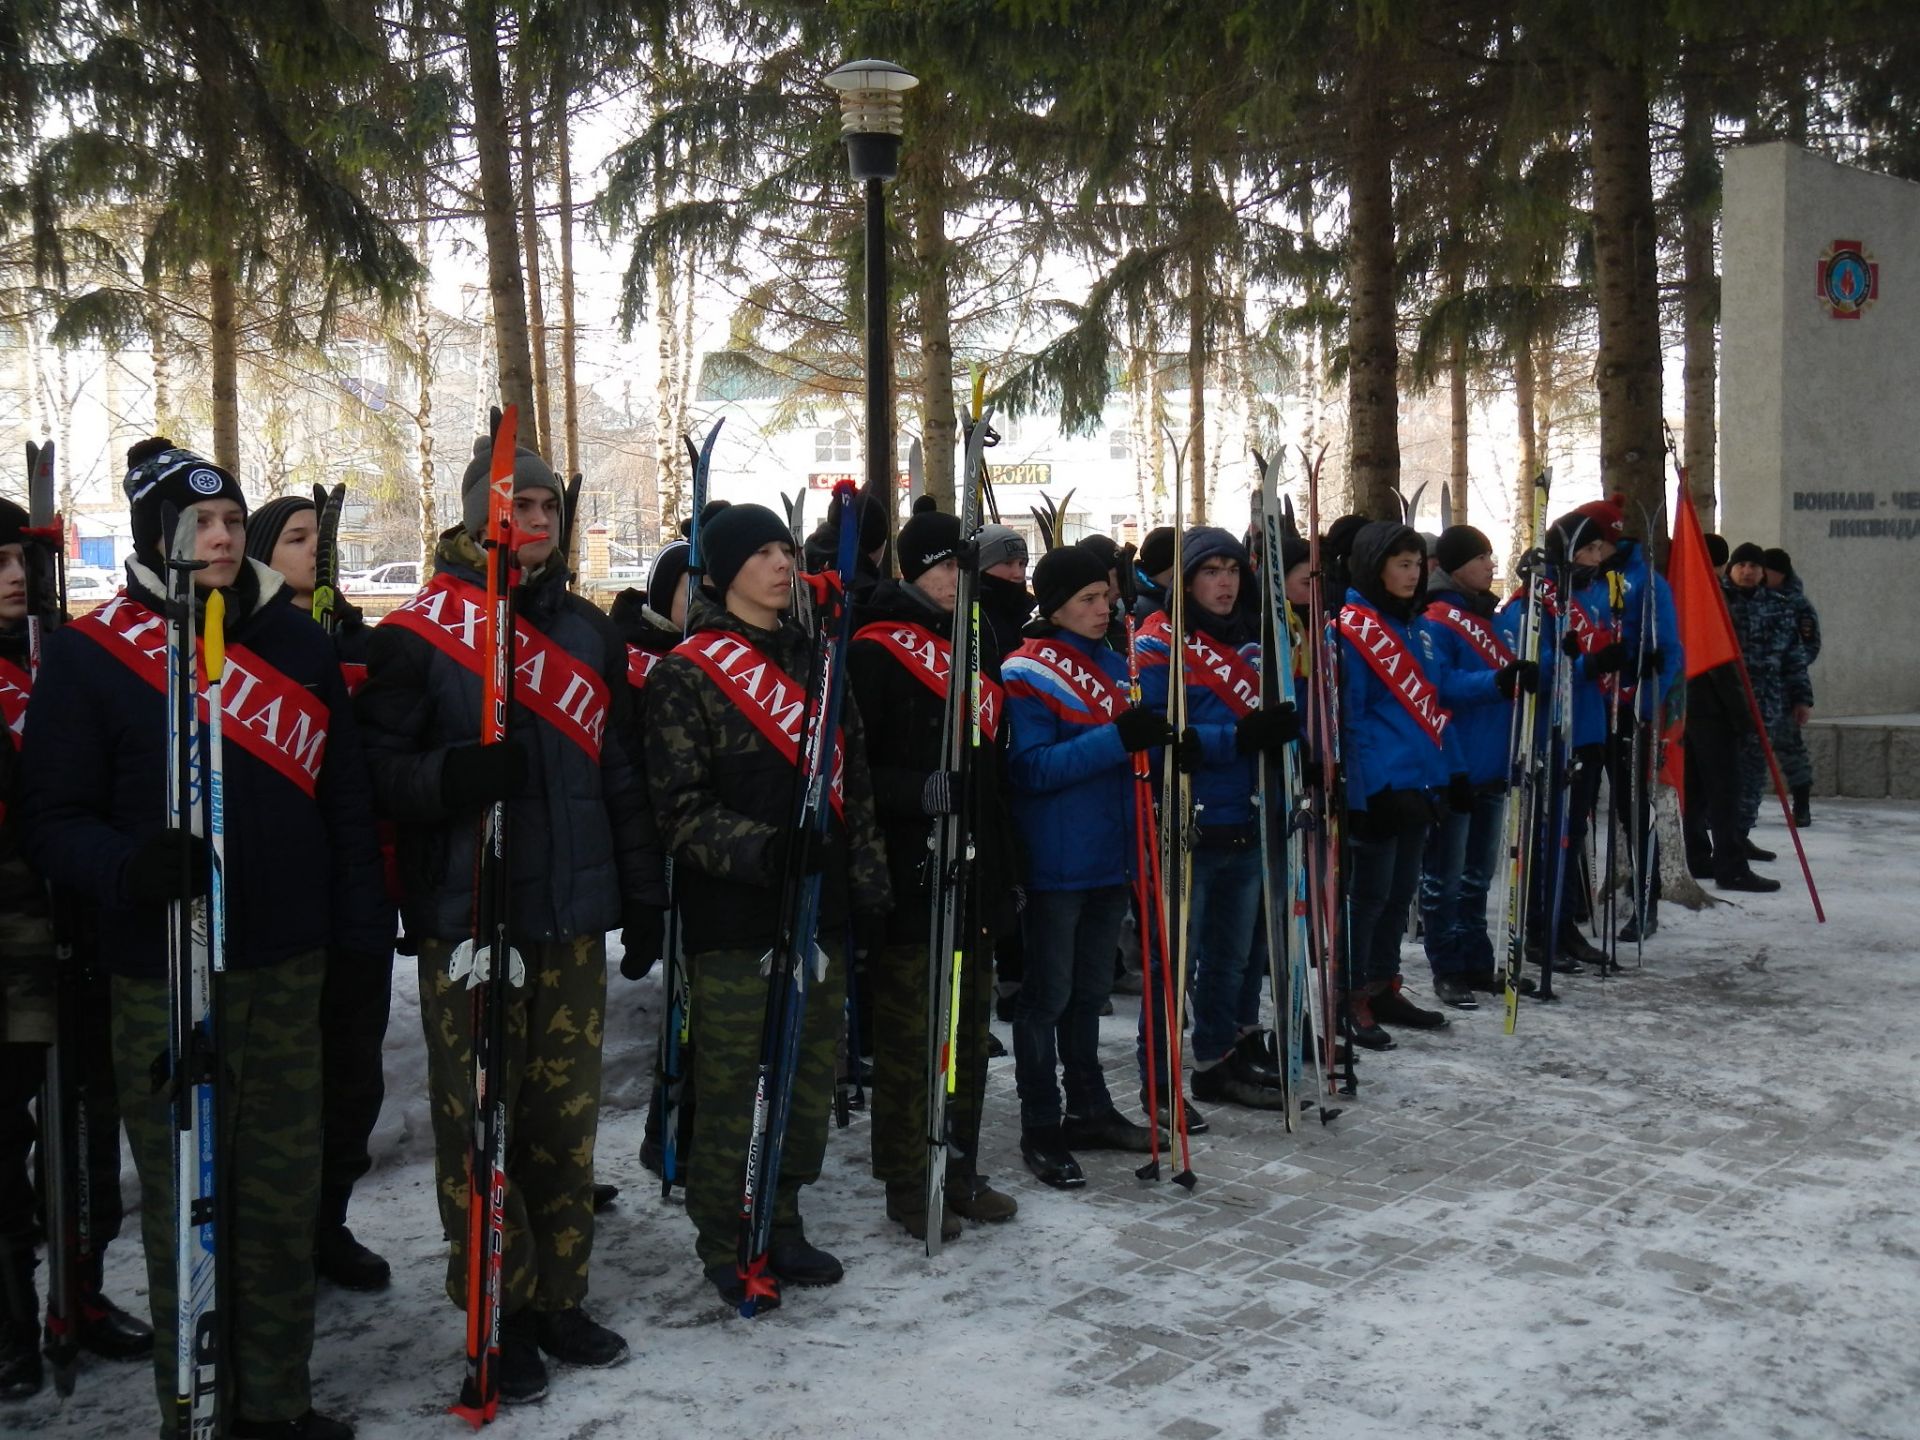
x=1210, y=542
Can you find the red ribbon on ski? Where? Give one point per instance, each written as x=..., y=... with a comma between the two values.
x=929, y=659
x=1396, y=668
x=1475, y=631
x=1227, y=673
x=774, y=702
x=15, y=686
x=640, y=665
x=570, y=696
x=1102, y=700
x=278, y=722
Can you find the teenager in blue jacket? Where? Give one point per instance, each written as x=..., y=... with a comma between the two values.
x=1398, y=762
x=1469, y=645
x=1651, y=690
x=1227, y=731
x=1073, y=737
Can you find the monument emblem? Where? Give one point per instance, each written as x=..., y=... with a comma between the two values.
x=1849, y=279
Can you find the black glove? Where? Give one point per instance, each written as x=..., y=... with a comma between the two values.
x=155, y=873
x=869, y=931
x=1265, y=731
x=940, y=793
x=1142, y=729
x=781, y=847
x=1651, y=662
x=473, y=777
x=1459, y=793
x=643, y=934
x=1390, y=814
x=1517, y=675
x=1609, y=659
x=1570, y=645
x=1188, y=753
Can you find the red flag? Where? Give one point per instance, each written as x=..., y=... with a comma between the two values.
x=1706, y=629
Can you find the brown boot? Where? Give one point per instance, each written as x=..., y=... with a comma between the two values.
x=972, y=1198
x=907, y=1204
x=1367, y=1032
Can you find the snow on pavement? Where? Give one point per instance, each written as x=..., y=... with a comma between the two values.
x=1676, y=1203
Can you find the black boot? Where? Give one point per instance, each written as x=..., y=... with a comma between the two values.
x=604, y=1196
x=1803, y=805
x=523, y=1374
x=1453, y=990
x=1744, y=879
x=1576, y=947
x=572, y=1337
x=1255, y=1059
x=21, y=1370
x=726, y=1283
x=1754, y=852
x=338, y=1257
x=1219, y=1083
x=798, y=1263
x=310, y=1426
x=110, y=1332
x=1047, y=1156
x=1108, y=1130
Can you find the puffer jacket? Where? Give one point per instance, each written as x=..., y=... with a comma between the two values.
x=1072, y=778
x=302, y=872
x=1225, y=786
x=1481, y=732
x=726, y=799
x=1767, y=625
x=580, y=840
x=1382, y=746
x=903, y=751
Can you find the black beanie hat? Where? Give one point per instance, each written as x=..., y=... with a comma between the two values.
x=729, y=540
x=14, y=523
x=265, y=524
x=1103, y=547
x=1778, y=561
x=1340, y=535
x=1460, y=544
x=928, y=538
x=530, y=472
x=668, y=568
x=1063, y=574
x=1748, y=553
x=160, y=472
x=1716, y=548
x=1156, y=551
x=1293, y=551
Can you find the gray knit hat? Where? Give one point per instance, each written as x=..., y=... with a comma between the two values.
x=530, y=472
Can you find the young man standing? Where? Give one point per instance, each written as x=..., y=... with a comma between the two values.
x=1073, y=734
x=723, y=750
x=357, y=998
x=1767, y=624
x=1789, y=744
x=581, y=862
x=302, y=876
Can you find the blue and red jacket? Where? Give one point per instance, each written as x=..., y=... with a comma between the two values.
x=1454, y=637
x=1224, y=787
x=1383, y=746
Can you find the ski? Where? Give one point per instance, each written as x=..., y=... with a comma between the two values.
x=1559, y=763
x=676, y=1015
x=326, y=555
x=1179, y=821
x=796, y=957
x=954, y=917
x=1523, y=749
x=196, y=936
x=488, y=964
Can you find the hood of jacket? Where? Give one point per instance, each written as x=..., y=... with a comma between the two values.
x=1371, y=547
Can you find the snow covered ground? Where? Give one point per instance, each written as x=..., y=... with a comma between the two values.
x=1681, y=1203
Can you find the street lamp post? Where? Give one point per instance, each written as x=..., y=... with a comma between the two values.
x=872, y=116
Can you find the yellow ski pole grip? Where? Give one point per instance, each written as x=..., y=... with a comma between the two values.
x=214, y=643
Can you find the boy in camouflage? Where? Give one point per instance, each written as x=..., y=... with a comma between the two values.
x=1789, y=743
x=581, y=857
x=1768, y=627
x=723, y=791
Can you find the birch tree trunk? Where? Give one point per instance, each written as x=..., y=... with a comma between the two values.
x=423, y=406
x=223, y=348
x=669, y=471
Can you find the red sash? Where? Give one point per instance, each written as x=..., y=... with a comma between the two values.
x=1397, y=669
x=15, y=683
x=277, y=721
x=929, y=659
x=354, y=673
x=640, y=665
x=1100, y=701
x=774, y=702
x=1226, y=672
x=555, y=686
x=1592, y=634
x=1475, y=631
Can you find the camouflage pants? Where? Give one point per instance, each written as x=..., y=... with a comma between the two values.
x=552, y=1090
x=1790, y=748
x=897, y=990
x=729, y=1003
x=268, y=1024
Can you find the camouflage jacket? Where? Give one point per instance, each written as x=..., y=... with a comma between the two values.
x=724, y=799
x=1806, y=619
x=1767, y=626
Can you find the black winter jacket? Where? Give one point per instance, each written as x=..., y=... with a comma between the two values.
x=302, y=873
x=903, y=751
x=581, y=843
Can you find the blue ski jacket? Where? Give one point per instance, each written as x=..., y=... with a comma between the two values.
x=1072, y=778
x=1664, y=635
x=1225, y=786
x=1481, y=732
x=1382, y=746
x=302, y=872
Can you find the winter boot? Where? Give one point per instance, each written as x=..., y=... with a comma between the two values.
x=1390, y=1007
x=1803, y=805
x=1745, y=880
x=21, y=1370
x=907, y=1204
x=798, y=1263
x=1218, y=1084
x=338, y=1257
x=1254, y=1059
x=1044, y=1149
x=1367, y=1033
x=1108, y=1130
x=1196, y=1122
x=1577, y=949
x=725, y=1280
x=523, y=1374
x=1754, y=852
x=604, y=1196
x=970, y=1196
x=310, y=1426
x=1453, y=990
x=110, y=1332
x=572, y=1337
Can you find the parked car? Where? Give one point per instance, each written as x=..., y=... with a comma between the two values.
x=90, y=585
x=396, y=577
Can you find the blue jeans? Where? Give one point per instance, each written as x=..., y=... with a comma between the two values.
x=1382, y=876
x=1463, y=851
x=1070, y=937
x=1224, y=946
